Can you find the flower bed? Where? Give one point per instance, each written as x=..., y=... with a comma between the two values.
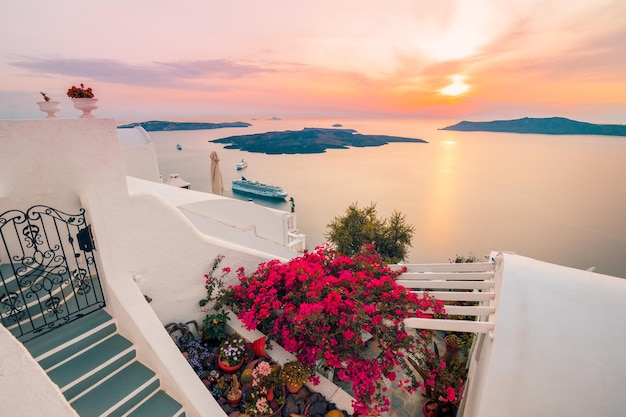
x=319, y=305
x=256, y=388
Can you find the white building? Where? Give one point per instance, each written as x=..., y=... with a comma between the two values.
x=549, y=343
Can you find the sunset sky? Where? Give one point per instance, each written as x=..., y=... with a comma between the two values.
x=470, y=59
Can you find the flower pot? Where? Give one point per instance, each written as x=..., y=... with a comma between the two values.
x=452, y=350
x=226, y=368
x=279, y=409
x=258, y=347
x=234, y=399
x=432, y=408
x=429, y=408
x=50, y=107
x=292, y=388
x=448, y=410
x=86, y=105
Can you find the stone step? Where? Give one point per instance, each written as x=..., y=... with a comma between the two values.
x=118, y=394
x=94, y=337
x=96, y=369
x=66, y=335
x=84, y=370
x=160, y=404
x=33, y=291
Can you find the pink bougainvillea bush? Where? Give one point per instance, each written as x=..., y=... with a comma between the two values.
x=323, y=307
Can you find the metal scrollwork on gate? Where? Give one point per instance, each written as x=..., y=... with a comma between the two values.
x=48, y=273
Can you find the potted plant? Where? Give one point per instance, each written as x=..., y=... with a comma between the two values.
x=214, y=326
x=235, y=392
x=220, y=388
x=48, y=106
x=318, y=305
x=443, y=375
x=295, y=374
x=266, y=395
x=231, y=354
x=83, y=99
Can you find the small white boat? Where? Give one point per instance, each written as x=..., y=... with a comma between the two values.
x=242, y=164
x=254, y=187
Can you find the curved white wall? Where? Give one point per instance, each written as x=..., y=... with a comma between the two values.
x=25, y=389
x=247, y=223
x=140, y=157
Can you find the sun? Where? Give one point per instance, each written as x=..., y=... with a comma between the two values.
x=456, y=88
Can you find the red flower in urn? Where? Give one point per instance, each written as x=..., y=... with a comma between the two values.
x=80, y=92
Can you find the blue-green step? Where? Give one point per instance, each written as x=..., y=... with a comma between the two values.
x=159, y=404
x=31, y=316
x=119, y=393
x=64, y=336
x=97, y=371
x=91, y=366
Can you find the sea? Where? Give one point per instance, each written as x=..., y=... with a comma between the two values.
x=556, y=198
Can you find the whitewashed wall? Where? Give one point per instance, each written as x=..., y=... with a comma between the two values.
x=25, y=389
x=558, y=345
x=233, y=220
x=67, y=164
x=139, y=153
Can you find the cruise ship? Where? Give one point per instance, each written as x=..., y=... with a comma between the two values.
x=254, y=187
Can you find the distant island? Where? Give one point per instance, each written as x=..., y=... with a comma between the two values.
x=548, y=126
x=307, y=140
x=158, y=126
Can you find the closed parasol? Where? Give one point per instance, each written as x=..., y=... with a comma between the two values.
x=217, y=184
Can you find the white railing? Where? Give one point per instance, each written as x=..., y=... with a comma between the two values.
x=294, y=240
x=466, y=289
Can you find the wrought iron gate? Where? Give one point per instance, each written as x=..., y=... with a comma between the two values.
x=48, y=273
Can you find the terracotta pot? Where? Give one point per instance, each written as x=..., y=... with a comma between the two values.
x=234, y=400
x=452, y=350
x=429, y=408
x=226, y=368
x=279, y=410
x=258, y=347
x=293, y=388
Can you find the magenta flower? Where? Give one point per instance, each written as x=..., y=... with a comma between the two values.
x=318, y=305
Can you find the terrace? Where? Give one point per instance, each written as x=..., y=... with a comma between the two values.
x=548, y=336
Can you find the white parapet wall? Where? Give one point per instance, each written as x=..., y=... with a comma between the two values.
x=248, y=224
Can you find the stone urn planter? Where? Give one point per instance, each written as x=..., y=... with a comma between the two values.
x=49, y=107
x=86, y=105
